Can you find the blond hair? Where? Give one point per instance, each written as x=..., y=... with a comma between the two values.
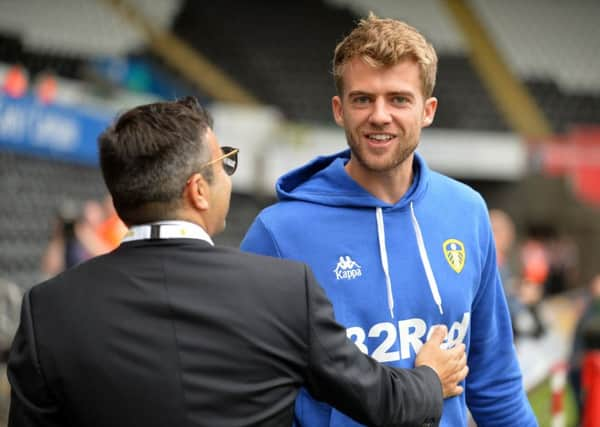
x=385, y=42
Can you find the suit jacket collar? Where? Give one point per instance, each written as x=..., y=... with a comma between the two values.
x=167, y=230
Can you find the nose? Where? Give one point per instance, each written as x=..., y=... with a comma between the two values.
x=380, y=115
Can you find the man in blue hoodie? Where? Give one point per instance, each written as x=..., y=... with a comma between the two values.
x=397, y=247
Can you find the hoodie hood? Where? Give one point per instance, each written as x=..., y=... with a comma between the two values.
x=325, y=181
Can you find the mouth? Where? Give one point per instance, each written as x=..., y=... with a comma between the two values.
x=379, y=139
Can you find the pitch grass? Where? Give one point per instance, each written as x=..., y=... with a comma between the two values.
x=541, y=401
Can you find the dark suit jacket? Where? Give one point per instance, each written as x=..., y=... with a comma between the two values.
x=179, y=333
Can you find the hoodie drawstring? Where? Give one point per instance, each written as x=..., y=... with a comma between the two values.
x=425, y=260
x=422, y=253
x=384, y=259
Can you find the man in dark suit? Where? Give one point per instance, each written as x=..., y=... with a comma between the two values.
x=169, y=330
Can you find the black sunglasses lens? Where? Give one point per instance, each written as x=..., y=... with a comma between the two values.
x=230, y=162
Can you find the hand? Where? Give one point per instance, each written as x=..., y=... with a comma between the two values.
x=450, y=365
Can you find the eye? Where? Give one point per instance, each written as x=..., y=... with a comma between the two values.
x=361, y=99
x=399, y=100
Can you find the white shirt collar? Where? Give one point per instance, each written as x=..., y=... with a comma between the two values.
x=167, y=230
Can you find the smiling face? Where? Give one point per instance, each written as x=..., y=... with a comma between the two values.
x=382, y=110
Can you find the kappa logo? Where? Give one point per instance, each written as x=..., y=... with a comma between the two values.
x=454, y=252
x=347, y=269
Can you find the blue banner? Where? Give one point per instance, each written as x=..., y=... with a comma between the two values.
x=56, y=131
x=142, y=75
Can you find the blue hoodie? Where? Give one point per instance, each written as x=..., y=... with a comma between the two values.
x=393, y=271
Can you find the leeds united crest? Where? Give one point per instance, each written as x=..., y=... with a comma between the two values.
x=454, y=252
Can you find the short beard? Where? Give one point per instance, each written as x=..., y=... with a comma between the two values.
x=401, y=154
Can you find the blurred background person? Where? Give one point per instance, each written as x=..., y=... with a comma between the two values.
x=75, y=238
x=535, y=267
x=16, y=81
x=504, y=231
x=10, y=308
x=46, y=87
x=563, y=260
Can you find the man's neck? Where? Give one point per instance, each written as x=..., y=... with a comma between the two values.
x=388, y=186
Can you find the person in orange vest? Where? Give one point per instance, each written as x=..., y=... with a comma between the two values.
x=111, y=230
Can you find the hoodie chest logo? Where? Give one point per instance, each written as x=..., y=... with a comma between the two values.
x=347, y=269
x=454, y=252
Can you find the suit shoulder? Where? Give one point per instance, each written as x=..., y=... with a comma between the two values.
x=50, y=284
x=264, y=263
x=78, y=276
x=262, y=260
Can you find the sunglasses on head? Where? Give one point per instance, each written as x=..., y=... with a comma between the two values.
x=229, y=158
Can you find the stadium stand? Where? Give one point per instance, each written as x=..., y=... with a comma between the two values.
x=280, y=51
x=32, y=190
x=36, y=61
x=465, y=103
x=80, y=28
x=526, y=33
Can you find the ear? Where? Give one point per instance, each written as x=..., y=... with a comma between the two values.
x=197, y=193
x=338, y=112
x=429, y=111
